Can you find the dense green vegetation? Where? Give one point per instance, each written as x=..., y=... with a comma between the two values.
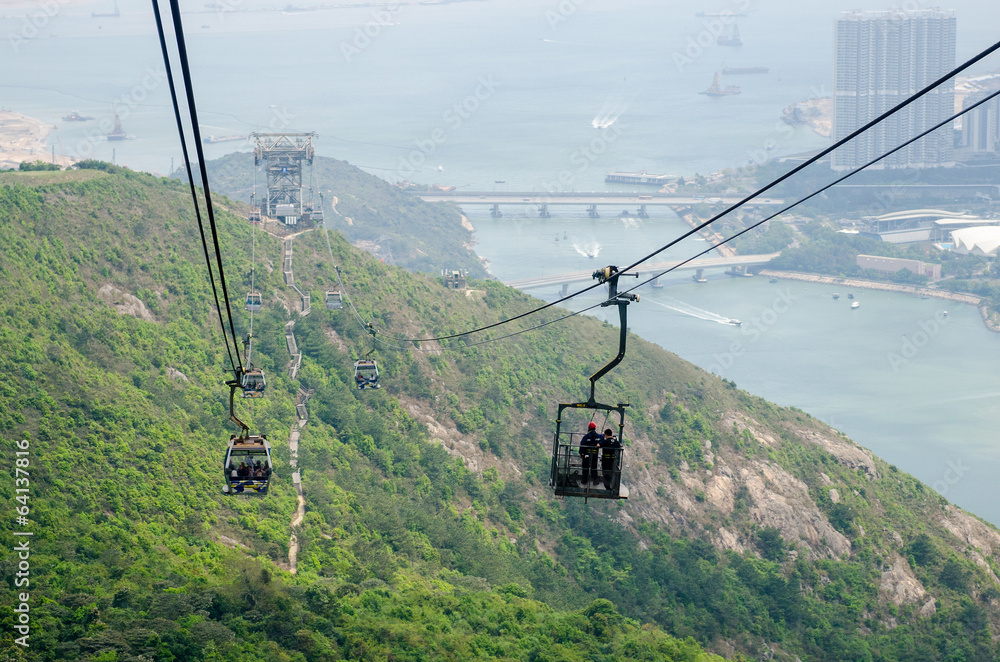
x=398, y=227
x=429, y=531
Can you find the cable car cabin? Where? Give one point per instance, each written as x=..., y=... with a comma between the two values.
x=366, y=374
x=253, y=384
x=254, y=216
x=247, y=466
x=592, y=470
x=254, y=302
x=317, y=214
x=334, y=301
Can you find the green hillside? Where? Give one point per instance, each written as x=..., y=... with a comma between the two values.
x=429, y=530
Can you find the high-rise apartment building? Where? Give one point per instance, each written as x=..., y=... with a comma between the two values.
x=881, y=58
x=980, y=138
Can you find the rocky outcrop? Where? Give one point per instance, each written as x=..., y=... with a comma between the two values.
x=845, y=451
x=971, y=531
x=781, y=500
x=124, y=303
x=899, y=585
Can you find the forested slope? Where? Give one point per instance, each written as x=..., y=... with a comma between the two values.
x=430, y=532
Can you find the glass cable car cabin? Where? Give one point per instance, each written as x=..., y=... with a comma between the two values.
x=334, y=301
x=366, y=374
x=253, y=383
x=254, y=302
x=247, y=466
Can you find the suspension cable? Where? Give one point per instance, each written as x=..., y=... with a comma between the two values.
x=196, y=131
x=194, y=194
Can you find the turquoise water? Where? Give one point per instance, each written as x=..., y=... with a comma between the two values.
x=529, y=83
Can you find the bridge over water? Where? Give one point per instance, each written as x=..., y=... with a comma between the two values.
x=591, y=200
x=737, y=266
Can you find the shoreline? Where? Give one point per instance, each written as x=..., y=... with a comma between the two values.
x=22, y=138
x=990, y=320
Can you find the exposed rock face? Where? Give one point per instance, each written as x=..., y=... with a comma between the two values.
x=727, y=540
x=847, y=452
x=174, y=373
x=899, y=585
x=781, y=500
x=124, y=303
x=929, y=608
x=971, y=531
x=834, y=496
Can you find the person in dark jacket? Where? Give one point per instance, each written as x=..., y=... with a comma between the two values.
x=590, y=445
x=610, y=451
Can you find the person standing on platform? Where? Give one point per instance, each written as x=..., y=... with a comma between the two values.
x=590, y=444
x=610, y=450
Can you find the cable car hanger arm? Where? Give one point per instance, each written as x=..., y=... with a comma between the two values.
x=610, y=275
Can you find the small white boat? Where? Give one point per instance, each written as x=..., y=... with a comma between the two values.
x=856, y=304
x=735, y=322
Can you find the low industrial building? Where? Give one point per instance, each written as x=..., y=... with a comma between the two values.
x=890, y=265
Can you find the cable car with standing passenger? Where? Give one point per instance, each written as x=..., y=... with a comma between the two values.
x=575, y=454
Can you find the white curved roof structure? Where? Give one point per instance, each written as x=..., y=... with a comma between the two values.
x=977, y=241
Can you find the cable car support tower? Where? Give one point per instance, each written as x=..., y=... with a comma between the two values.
x=284, y=154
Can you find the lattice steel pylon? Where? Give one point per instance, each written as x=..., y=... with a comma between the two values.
x=284, y=154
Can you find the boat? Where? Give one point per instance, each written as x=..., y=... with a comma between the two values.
x=735, y=322
x=856, y=304
x=641, y=178
x=836, y=296
x=850, y=295
x=117, y=133
x=744, y=70
x=773, y=280
x=730, y=39
x=716, y=89
x=222, y=139
x=75, y=116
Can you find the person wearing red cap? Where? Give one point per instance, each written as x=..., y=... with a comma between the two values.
x=589, y=445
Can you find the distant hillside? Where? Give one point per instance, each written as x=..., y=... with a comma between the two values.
x=392, y=225
x=429, y=529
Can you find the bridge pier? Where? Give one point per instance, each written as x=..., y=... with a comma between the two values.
x=642, y=212
x=699, y=276
x=543, y=211
x=564, y=291
x=657, y=285
x=495, y=211
x=739, y=270
x=592, y=211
